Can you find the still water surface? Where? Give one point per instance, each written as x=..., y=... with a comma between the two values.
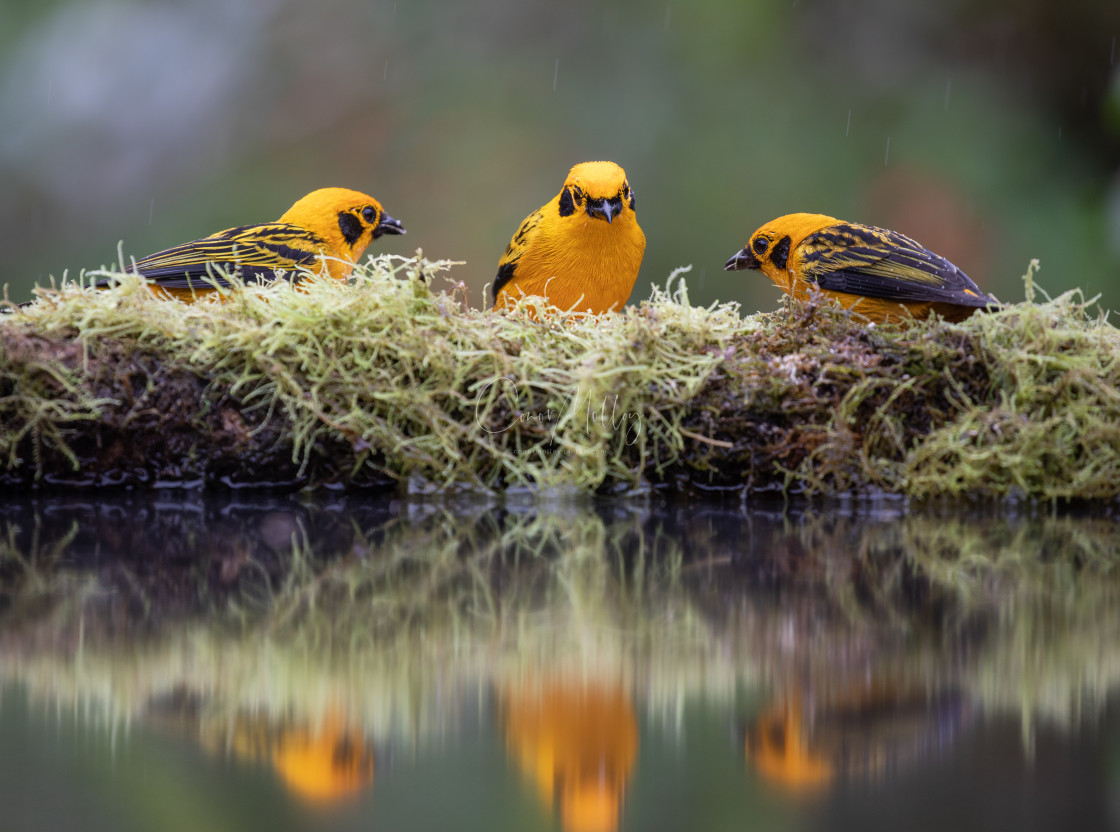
x=187, y=662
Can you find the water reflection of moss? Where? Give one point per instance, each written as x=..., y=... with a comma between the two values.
x=387, y=383
x=407, y=605
x=414, y=606
x=1018, y=614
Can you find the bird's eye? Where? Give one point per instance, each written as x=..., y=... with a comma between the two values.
x=369, y=213
x=760, y=245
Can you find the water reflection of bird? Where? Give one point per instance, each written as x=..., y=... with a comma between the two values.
x=327, y=230
x=578, y=743
x=325, y=762
x=864, y=733
x=880, y=274
x=322, y=761
x=582, y=250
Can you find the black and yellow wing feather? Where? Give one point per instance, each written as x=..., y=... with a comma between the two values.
x=507, y=265
x=879, y=263
x=259, y=253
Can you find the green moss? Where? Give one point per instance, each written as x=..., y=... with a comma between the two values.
x=385, y=381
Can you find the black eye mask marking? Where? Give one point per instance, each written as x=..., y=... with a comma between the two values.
x=567, y=204
x=350, y=226
x=780, y=254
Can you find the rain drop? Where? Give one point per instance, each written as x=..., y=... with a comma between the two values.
x=668, y=15
x=555, y=74
x=948, y=91
x=887, y=155
x=848, y=129
x=385, y=74
x=151, y=209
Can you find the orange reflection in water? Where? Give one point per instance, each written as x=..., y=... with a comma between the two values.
x=577, y=742
x=870, y=731
x=778, y=745
x=325, y=764
x=321, y=763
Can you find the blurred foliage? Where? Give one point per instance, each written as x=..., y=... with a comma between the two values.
x=985, y=129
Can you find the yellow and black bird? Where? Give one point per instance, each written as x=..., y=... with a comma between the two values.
x=582, y=250
x=327, y=230
x=879, y=274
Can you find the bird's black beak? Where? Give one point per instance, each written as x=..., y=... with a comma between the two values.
x=605, y=208
x=742, y=260
x=388, y=225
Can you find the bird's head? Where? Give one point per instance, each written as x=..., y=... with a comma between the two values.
x=349, y=219
x=598, y=189
x=769, y=247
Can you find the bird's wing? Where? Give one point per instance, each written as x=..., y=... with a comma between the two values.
x=517, y=246
x=877, y=263
x=258, y=251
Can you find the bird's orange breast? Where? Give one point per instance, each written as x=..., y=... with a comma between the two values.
x=583, y=264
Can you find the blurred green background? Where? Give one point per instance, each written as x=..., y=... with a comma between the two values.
x=988, y=130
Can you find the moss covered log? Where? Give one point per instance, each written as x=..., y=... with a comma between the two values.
x=390, y=382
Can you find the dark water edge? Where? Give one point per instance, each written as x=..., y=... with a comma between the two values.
x=272, y=661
